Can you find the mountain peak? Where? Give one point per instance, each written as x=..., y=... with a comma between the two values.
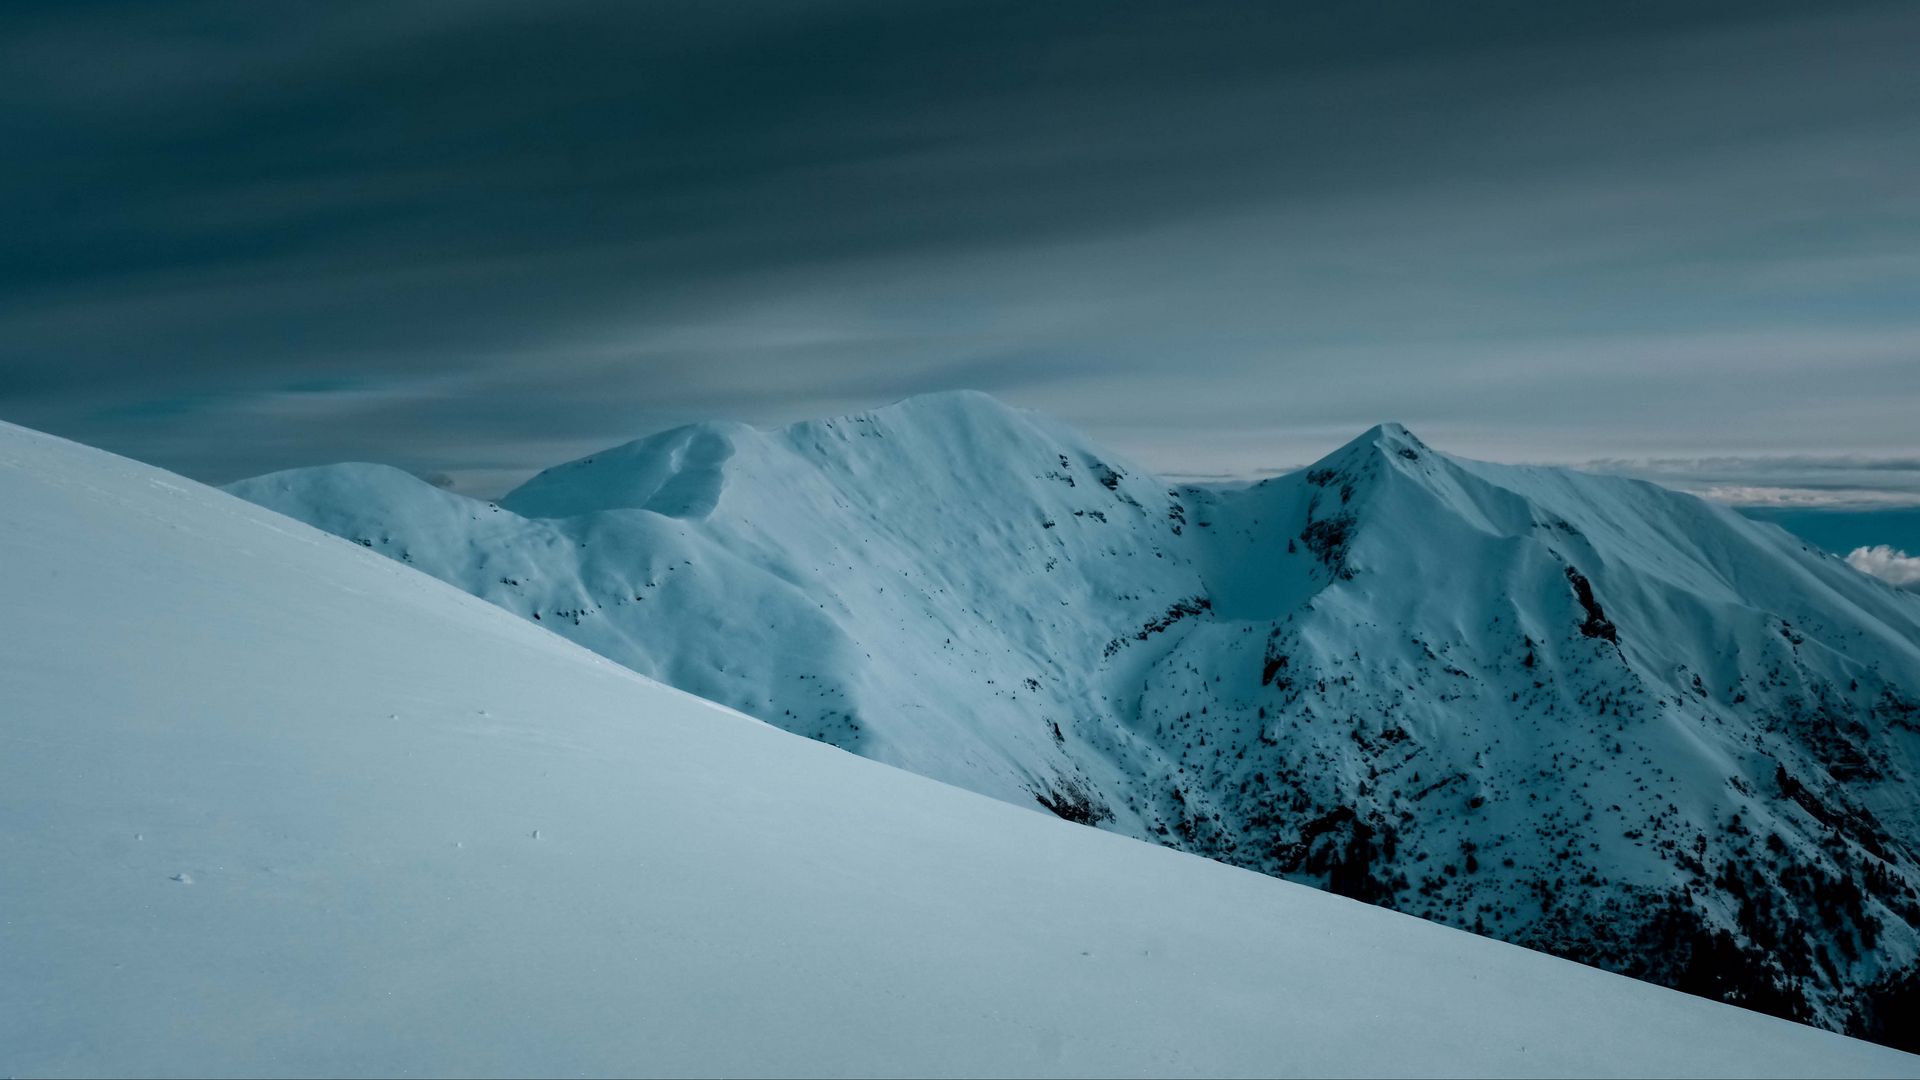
x=1390, y=437
x=680, y=473
x=938, y=409
x=684, y=472
x=1360, y=458
x=1394, y=431
x=959, y=400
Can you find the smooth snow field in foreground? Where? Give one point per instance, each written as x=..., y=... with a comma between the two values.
x=272, y=804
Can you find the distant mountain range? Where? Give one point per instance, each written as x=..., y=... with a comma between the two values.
x=1577, y=712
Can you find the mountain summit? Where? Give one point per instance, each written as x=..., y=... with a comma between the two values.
x=1581, y=713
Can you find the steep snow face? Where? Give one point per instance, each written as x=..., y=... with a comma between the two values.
x=884, y=582
x=271, y=805
x=1578, y=712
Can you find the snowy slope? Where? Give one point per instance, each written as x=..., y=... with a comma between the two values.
x=1578, y=712
x=271, y=805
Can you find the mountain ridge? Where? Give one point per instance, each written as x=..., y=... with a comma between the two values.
x=1579, y=712
x=275, y=806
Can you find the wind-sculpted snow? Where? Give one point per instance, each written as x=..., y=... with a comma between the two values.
x=270, y=805
x=1577, y=712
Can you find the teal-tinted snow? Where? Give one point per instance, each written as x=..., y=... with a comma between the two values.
x=1579, y=712
x=271, y=806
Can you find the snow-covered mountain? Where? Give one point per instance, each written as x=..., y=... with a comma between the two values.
x=1581, y=713
x=271, y=805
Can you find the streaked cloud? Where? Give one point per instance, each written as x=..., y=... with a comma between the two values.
x=1806, y=498
x=1810, y=482
x=1224, y=236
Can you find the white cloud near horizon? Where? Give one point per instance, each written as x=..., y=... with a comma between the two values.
x=1795, y=498
x=1887, y=563
x=1783, y=482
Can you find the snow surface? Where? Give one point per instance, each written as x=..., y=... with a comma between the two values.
x=1579, y=712
x=271, y=805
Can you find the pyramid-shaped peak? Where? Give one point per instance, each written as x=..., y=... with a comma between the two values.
x=1380, y=440
x=1392, y=436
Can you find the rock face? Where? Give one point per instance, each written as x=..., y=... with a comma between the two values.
x=1580, y=713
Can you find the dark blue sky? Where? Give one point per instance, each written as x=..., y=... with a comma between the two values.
x=477, y=238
